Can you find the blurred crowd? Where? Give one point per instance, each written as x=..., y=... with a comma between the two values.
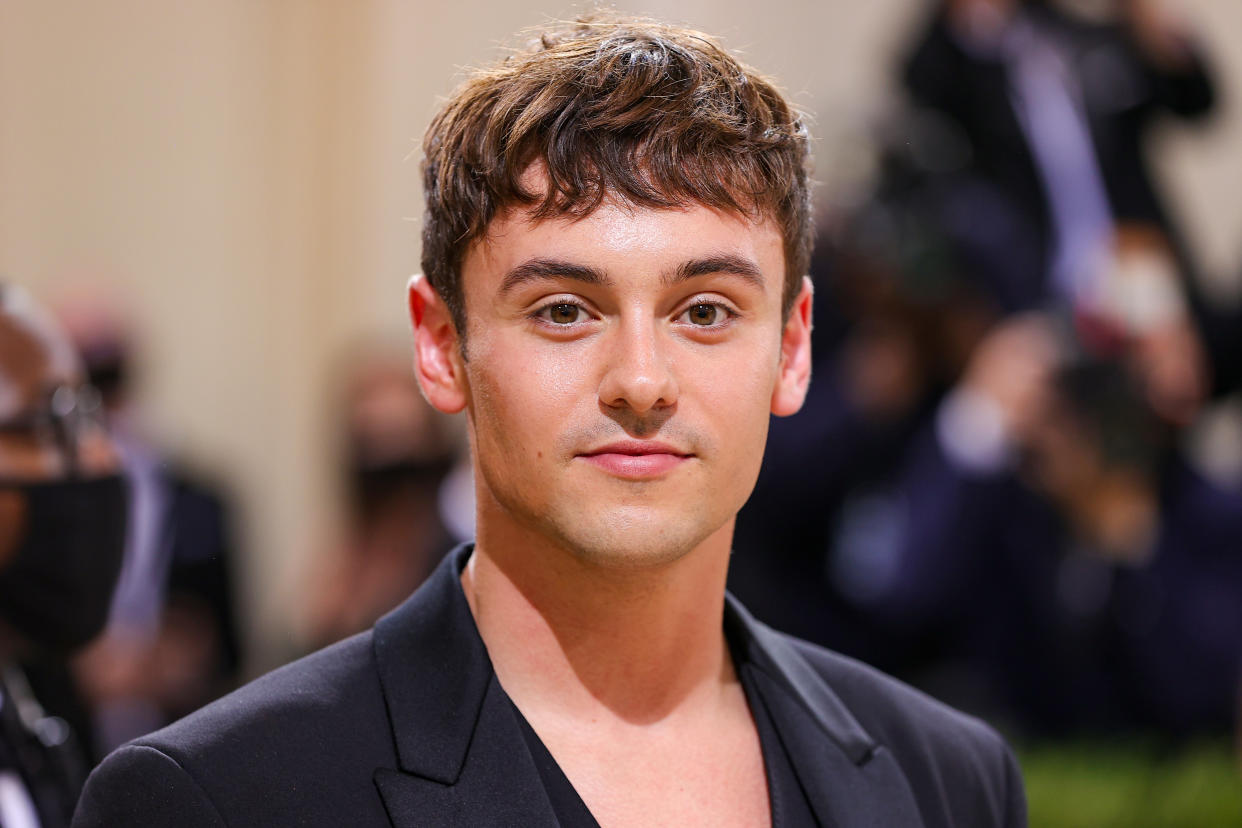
x=991, y=491
x=409, y=494
x=116, y=609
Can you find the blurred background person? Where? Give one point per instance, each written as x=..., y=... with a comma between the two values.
x=1081, y=577
x=62, y=535
x=1055, y=100
x=906, y=286
x=861, y=534
x=888, y=340
x=402, y=516
x=171, y=644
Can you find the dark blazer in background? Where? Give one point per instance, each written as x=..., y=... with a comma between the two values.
x=1123, y=93
x=407, y=725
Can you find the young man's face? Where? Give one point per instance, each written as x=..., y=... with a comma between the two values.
x=619, y=374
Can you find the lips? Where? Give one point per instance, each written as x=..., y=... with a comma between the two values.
x=636, y=459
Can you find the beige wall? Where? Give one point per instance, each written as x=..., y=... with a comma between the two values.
x=239, y=168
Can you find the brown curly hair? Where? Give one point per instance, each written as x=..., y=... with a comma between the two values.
x=660, y=116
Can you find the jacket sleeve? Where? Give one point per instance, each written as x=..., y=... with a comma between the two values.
x=139, y=785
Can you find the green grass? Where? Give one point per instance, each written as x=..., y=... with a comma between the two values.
x=1132, y=786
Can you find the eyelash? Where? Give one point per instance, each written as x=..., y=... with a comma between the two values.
x=541, y=314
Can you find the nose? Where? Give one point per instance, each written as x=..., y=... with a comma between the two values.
x=638, y=376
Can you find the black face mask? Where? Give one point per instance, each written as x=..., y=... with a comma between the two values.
x=374, y=482
x=57, y=585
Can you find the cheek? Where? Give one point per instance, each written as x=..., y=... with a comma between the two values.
x=519, y=403
x=741, y=375
x=735, y=395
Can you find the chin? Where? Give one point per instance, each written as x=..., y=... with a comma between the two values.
x=632, y=539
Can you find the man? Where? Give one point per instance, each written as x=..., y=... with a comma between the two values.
x=616, y=230
x=62, y=534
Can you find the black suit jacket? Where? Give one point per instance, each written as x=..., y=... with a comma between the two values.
x=407, y=725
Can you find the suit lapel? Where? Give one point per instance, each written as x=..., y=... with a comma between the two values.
x=849, y=778
x=461, y=757
x=499, y=784
x=462, y=760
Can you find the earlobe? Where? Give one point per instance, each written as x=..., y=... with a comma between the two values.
x=795, y=369
x=437, y=356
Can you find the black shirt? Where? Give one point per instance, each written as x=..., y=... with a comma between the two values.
x=787, y=800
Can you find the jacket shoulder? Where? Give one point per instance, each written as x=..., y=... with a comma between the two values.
x=332, y=688
x=886, y=705
x=157, y=792
x=956, y=764
x=250, y=753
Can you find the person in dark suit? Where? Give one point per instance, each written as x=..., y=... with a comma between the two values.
x=1054, y=102
x=616, y=237
x=1083, y=577
x=62, y=536
x=1056, y=107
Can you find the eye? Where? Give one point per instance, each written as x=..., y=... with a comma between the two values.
x=703, y=314
x=561, y=313
x=706, y=315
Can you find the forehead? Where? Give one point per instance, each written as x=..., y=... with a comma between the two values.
x=622, y=236
x=618, y=227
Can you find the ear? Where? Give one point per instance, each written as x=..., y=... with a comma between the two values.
x=437, y=353
x=795, y=370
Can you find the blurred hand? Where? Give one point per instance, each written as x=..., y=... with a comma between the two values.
x=1159, y=32
x=980, y=21
x=1173, y=369
x=113, y=667
x=1013, y=368
x=172, y=670
x=962, y=8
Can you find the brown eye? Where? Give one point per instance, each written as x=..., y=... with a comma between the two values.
x=703, y=314
x=563, y=313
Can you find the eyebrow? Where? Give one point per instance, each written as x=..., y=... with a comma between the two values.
x=535, y=270
x=724, y=263
x=538, y=269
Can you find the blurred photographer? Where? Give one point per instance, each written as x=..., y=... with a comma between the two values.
x=62, y=532
x=1087, y=578
x=1054, y=102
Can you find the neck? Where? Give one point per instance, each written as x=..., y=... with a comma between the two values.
x=570, y=637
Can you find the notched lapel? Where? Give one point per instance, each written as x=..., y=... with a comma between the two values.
x=433, y=672
x=850, y=779
x=844, y=793
x=499, y=784
x=414, y=801
x=461, y=758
